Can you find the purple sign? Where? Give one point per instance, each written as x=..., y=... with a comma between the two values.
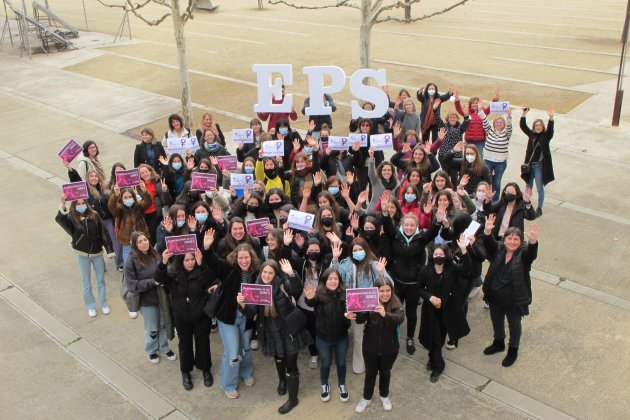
x=258, y=227
x=227, y=162
x=70, y=151
x=257, y=294
x=128, y=178
x=203, y=182
x=181, y=244
x=362, y=299
x=75, y=191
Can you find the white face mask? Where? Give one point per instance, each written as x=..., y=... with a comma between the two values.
x=470, y=158
x=431, y=91
x=481, y=196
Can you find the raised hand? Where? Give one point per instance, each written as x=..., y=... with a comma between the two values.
x=354, y=221
x=163, y=160
x=317, y=178
x=527, y=195
x=406, y=148
x=465, y=110
x=461, y=243
x=456, y=95
x=288, y=237
x=380, y=265
x=385, y=200
x=362, y=198
x=371, y=152
x=380, y=309
x=333, y=238
x=397, y=129
x=168, y=224
x=116, y=190
x=190, y=163
x=286, y=267
x=328, y=150
x=464, y=180
x=437, y=102
x=296, y=144
x=208, y=239
x=299, y=240
x=311, y=125
x=306, y=190
x=490, y=220
x=428, y=207
x=441, y=133
x=426, y=187
x=551, y=112
x=246, y=194
x=309, y=291
x=198, y=256
x=349, y=231
x=192, y=222
x=336, y=250
x=459, y=146
x=440, y=214
x=345, y=190
x=217, y=213
x=350, y=176
x=533, y=233
x=166, y=255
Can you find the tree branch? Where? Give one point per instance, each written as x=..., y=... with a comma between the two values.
x=395, y=5
x=401, y=4
x=133, y=8
x=340, y=3
x=190, y=10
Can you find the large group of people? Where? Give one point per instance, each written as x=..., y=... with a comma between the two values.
x=416, y=227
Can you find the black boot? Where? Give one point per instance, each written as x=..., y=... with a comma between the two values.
x=187, y=381
x=281, y=367
x=510, y=358
x=293, y=383
x=208, y=380
x=497, y=346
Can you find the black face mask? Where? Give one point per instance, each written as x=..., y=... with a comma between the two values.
x=283, y=219
x=313, y=255
x=275, y=205
x=509, y=197
x=271, y=173
x=194, y=196
x=439, y=260
x=324, y=139
x=369, y=234
x=252, y=209
x=327, y=221
x=336, y=153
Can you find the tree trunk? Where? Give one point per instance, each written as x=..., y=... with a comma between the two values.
x=180, y=40
x=364, y=33
x=407, y=10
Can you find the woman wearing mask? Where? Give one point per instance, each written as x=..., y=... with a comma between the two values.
x=508, y=286
x=538, y=155
x=271, y=173
x=160, y=198
x=512, y=209
x=472, y=165
x=382, y=178
x=442, y=307
x=86, y=229
x=286, y=134
x=380, y=343
x=173, y=225
x=148, y=151
x=431, y=100
x=328, y=299
x=189, y=281
x=140, y=278
x=303, y=172
x=174, y=173
x=241, y=266
x=274, y=200
x=361, y=269
x=127, y=207
x=89, y=161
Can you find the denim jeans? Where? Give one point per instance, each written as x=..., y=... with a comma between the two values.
x=237, y=356
x=118, y=257
x=126, y=250
x=154, y=331
x=537, y=175
x=480, y=145
x=85, y=266
x=325, y=356
x=496, y=172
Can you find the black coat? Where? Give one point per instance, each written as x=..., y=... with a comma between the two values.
x=520, y=212
x=451, y=162
x=87, y=235
x=140, y=155
x=521, y=264
x=542, y=140
x=381, y=333
x=330, y=321
x=449, y=290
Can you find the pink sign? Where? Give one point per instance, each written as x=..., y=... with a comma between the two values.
x=227, y=162
x=258, y=227
x=362, y=299
x=257, y=294
x=181, y=244
x=128, y=178
x=75, y=191
x=71, y=150
x=203, y=182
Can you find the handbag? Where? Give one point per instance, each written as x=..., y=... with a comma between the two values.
x=212, y=302
x=526, y=168
x=131, y=299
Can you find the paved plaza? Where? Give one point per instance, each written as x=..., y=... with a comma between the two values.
x=574, y=360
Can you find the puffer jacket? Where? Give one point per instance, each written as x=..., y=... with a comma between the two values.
x=330, y=322
x=87, y=235
x=381, y=333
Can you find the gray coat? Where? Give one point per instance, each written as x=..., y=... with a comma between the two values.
x=142, y=280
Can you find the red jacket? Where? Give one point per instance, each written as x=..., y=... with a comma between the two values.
x=275, y=116
x=475, y=132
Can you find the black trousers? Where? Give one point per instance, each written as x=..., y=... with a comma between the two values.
x=199, y=331
x=409, y=295
x=291, y=362
x=498, y=315
x=380, y=364
x=438, y=337
x=153, y=221
x=310, y=326
x=432, y=131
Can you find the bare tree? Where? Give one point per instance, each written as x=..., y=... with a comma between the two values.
x=179, y=20
x=373, y=12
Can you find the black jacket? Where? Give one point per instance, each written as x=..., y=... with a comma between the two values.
x=381, y=333
x=87, y=235
x=330, y=322
x=520, y=212
x=140, y=155
x=542, y=140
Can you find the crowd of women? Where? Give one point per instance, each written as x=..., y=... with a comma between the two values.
x=401, y=225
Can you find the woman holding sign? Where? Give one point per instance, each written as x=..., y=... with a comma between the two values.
x=128, y=212
x=361, y=269
x=89, y=160
x=86, y=229
x=380, y=343
x=280, y=325
x=441, y=284
x=160, y=198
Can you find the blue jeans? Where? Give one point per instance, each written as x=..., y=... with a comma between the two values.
x=325, y=349
x=118, y=257
x=496, y=171
x=237, y=357
x=480, y=146
x=154, y=331
x=538, y=177
x=126, y=250
x=85, y=266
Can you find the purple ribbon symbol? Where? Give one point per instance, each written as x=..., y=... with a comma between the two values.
x=278, y=145
x=307, y=219
x=182, y=141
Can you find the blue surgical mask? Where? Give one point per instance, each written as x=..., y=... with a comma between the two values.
x=308, y=150
x=333, y=190
x=177, y=165
x=180, y=223
x=201, y=217
x=129, y=202
x=81, y=208
x=283, y=130
x=410, y=198
x=249, y=169
x=358, y=255
x=211, y=147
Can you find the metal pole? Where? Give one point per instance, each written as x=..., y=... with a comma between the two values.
x=619, y=92
x=85, y=17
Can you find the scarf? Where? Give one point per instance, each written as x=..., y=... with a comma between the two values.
x=429, y=118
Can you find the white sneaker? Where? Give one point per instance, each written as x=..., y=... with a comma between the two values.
x=325, y=393
x=92, y=313
x=253, y=344
x=313, y=362
x=133, y=315
x=387, y=404
x=362, y=405
x=106, y=310
x=170, y=355
x=474, y=292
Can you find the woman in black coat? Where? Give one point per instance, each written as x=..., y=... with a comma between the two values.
x=149, y=151
x=507, y=287
x=538, y=155
x=188, y=282
x=281, y=325
x=513, y=204
x=442, y=310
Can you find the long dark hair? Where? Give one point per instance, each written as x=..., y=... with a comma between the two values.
x=394, y=303
x=144, y=259
x=322, y=291
x=230, y=242
x=366, y=264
